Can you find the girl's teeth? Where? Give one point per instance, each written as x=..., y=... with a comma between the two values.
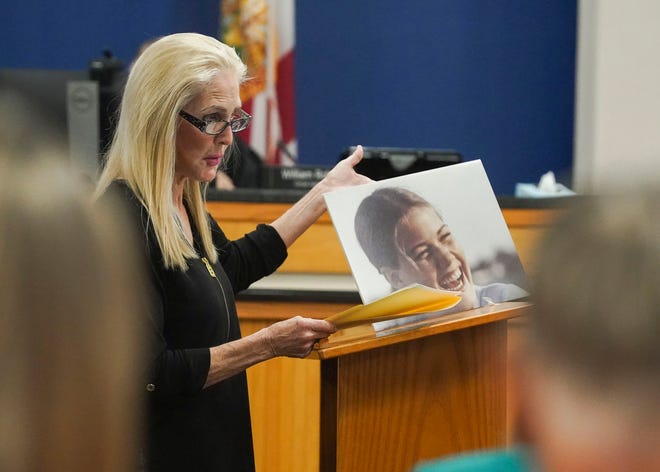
x=453, y=281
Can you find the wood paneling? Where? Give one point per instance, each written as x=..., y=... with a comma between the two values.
x=426, y=390
x=422, y=399
x=285, y=409
x=284, y=393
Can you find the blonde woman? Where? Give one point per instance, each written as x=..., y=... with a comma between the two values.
x=180, y=109
x=69, y=359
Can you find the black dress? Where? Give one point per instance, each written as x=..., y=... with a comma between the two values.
x=190, y=428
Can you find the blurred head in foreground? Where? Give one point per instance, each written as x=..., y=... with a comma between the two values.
x=68, y=350
x=590, y=370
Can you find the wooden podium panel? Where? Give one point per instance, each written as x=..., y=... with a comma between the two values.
x=430, y=389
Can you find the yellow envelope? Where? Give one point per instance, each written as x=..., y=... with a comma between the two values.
x=407, y=301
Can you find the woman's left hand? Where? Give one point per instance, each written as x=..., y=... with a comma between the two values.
x=343, y=174
x=307, y=210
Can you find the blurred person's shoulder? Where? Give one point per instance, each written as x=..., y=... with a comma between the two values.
x=120, y=193
x=515, y=460
x=119, y=197
x=119, y=190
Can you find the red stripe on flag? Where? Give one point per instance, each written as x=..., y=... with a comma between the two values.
x=285, y=96
x=272, y=150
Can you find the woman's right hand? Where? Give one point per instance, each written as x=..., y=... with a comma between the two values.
x=296, y=336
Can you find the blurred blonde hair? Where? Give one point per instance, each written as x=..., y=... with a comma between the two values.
x=69, y=357
x=166, y=76
x=597, y=300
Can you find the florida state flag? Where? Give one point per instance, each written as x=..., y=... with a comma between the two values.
x=263, y=33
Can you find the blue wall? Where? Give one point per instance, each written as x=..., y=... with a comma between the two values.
x=493, y=80
x=67, y=35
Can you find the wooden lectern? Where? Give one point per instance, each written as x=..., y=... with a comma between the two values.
x=418, y=391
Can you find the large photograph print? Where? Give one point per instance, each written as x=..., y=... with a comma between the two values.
x=441, y=228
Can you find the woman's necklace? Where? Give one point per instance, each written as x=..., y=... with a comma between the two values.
x=209, y=267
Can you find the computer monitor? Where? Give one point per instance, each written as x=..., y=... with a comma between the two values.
x=379, y=163
x=45, y=93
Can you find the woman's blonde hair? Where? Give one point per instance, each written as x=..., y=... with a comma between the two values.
x=69, y=358
x=166, y=76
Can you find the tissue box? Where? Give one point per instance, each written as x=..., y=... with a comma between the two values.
x=533, y=191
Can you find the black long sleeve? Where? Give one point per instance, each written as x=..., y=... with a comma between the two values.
x=191, y=427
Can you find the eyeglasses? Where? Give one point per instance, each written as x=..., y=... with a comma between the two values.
x=214, y=126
